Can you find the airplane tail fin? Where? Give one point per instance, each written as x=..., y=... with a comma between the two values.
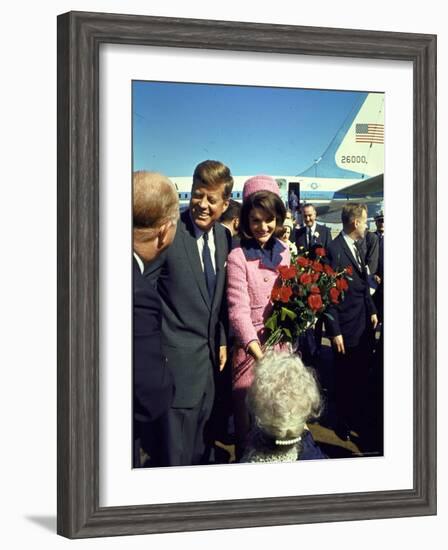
x=357, y=149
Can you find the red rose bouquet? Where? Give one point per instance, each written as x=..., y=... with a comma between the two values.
x=302, y=293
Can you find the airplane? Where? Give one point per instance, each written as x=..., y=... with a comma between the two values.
x=351, y=167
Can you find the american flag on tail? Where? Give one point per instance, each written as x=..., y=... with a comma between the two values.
x=370, y=133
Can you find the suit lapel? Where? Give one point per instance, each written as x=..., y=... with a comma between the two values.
x=191, y=248
x=135, y=266
x=301, y=237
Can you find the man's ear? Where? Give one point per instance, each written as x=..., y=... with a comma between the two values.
x=162, y=233
x=226, y=205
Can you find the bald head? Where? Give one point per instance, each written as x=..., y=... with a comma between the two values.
x=155, y=213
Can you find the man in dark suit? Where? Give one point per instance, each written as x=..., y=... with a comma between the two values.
x=350, y=325
x=155, y=215
x=309, y=237
x=378, y=299
x=223, y=408
x=379, y=273
x=191, y=284
x=230, y=219
x=312, y=235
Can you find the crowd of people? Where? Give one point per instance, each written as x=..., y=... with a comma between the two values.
x=202, y=283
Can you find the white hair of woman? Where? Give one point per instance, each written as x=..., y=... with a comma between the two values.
x=282, y=397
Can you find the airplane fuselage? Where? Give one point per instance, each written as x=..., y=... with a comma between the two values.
x=319, y=191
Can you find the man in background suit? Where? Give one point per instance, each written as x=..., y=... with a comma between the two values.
x=379, y=273
x=230, y=219
x=377, y=382
x=191, y=284
x=312, y=235
x=350, y=325
x=309, y=237
x=369, y=250
x=223, y=408
x=369, y=246
x=155, y=215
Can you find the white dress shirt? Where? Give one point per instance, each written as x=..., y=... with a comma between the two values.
x=351, y=244
x=139, y=261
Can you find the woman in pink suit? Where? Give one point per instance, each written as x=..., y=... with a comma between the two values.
x=252, y=269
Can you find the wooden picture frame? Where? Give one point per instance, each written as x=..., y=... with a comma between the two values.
x=79, y=38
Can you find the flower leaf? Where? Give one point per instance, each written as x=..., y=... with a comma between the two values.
x=288, y=313
x=271, y=323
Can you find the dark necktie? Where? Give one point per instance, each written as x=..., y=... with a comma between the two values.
x=310, y=238
x=359, y=257
x=210, y=276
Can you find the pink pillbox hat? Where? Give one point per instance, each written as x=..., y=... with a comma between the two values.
x=260, y=183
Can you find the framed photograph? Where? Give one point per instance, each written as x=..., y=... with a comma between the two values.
x=110, y=69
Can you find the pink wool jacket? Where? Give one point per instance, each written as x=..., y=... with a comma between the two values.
x=249, y=286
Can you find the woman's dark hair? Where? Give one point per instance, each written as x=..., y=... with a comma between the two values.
x=267, y=201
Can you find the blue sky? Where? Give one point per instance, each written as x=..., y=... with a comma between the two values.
x=250, y=129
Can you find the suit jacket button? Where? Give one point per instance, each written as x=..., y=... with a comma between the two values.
x=265, y=279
